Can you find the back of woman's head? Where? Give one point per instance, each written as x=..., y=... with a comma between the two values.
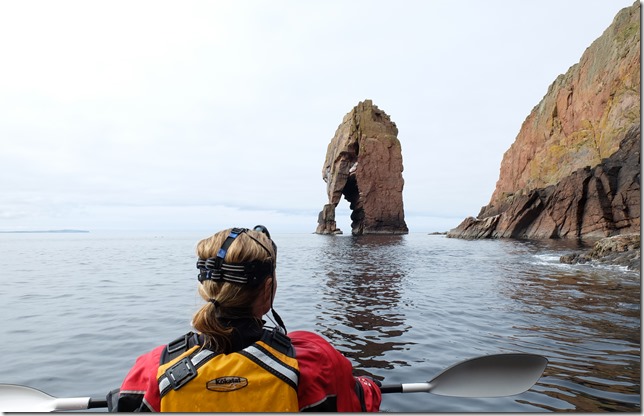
x=226, y=299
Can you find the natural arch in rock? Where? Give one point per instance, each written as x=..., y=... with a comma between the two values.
x=364, y=165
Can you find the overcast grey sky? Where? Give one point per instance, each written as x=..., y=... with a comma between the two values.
x=199, y=115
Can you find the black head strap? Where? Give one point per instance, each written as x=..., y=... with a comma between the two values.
x=214, y=268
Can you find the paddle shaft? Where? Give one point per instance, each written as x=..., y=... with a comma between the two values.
x=96, y=403
x=406, y=388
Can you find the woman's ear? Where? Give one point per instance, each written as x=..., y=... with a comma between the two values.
x=268, y=293
x=268, y=287
x=264, y=301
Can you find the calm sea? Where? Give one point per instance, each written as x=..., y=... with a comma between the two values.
x=78, y=308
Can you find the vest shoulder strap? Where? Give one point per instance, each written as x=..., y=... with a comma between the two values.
x=276, y=339
x=178, y=347
x=182, y=371
x=272, y=337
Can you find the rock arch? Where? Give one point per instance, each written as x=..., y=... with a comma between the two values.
x=364, y=165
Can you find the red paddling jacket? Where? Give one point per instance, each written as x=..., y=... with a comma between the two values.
x=303, y=370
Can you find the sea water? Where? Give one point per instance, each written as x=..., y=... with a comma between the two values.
x=77, y=309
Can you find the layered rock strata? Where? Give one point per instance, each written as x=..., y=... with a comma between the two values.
x=573, y=170
x=364, y=164
x=589, y=203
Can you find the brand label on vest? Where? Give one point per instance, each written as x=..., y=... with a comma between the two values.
x=224, y=384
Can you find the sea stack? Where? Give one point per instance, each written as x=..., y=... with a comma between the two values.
x=364, y=164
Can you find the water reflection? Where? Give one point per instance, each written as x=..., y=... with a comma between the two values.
x=588, y=324
x=360, y=310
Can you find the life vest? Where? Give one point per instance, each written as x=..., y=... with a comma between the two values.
x=262, y=377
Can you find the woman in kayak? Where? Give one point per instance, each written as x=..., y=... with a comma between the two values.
x=233, y=362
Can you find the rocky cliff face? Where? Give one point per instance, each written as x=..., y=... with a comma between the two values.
x=364, y=164
x=589, y=203
x=546, y=187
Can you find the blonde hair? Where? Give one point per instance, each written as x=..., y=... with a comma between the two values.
x=233, y=299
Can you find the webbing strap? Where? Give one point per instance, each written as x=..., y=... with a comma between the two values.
x=214, y=268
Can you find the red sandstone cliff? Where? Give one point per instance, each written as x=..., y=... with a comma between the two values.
x=562, y=178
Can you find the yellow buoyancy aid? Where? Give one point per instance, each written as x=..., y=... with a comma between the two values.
x=262, y=377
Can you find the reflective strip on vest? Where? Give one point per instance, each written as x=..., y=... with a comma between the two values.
x=272, y=364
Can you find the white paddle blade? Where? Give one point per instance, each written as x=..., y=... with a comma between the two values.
x=490, y=376
x=14, y=398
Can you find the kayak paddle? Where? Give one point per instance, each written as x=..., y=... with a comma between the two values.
x=487, y=376
x=14, y=398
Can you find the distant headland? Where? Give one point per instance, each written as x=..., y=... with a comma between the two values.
x=42, y=231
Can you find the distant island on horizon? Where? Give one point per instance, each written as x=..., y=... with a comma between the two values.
x=42, y=231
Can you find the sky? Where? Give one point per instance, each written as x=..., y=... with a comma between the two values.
x=203, y=115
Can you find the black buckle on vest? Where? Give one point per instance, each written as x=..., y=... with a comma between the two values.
x=181, y=373
x=279, y=341
x=178, y=347
x=179, y=344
